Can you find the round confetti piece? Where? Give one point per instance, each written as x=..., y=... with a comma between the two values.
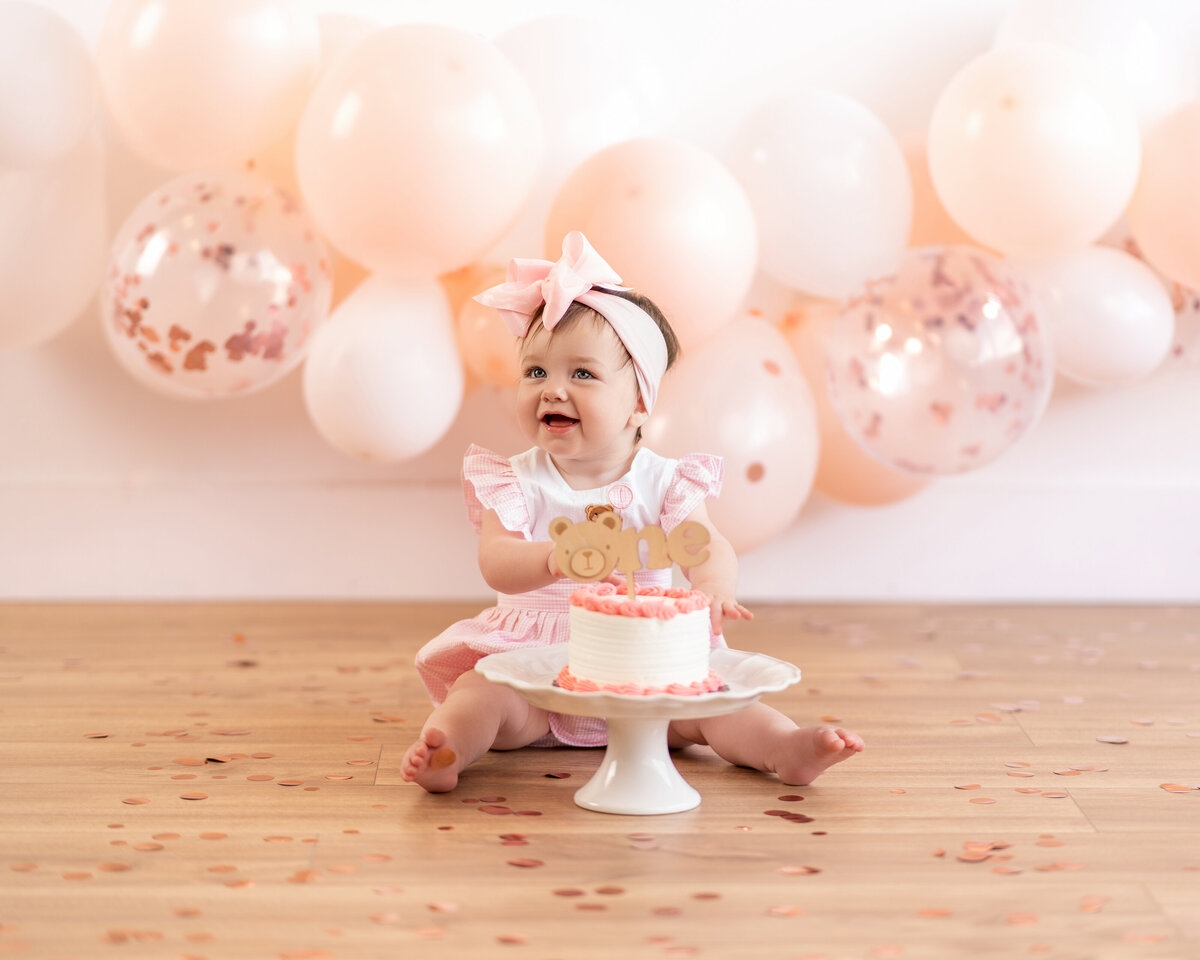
x=193, y=796
x=442, y=758
x=147, y=847
x=164, y=836
x=1112, y=739
x=360, y=763
x=784, y=911
x=790, y=797
x=115, y=867
x=558, y=776
x=610, y=890
x=239, y=884
x=897, y=790
x=96, y=736
x=1021, y=773
x=526, y=863
x=981, y=800
x=796, y=871
x=569, y=892
x=260, y=777
x=492, y=799
x=134, y=801
x=967, y=786
x=213, y=835
x=22, y=867
x=77, y=875
x=512, y=938
x=1175, y=787
x=706, y=895
x=1017, y=764
x=1055, y=796
x=339, y=776
x=289, y=783
x=494, y=809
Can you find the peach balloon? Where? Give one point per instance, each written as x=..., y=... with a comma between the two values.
x=1110, y=316
x=845, y=471
x=829, y=188
x=1031, y=151
x=196, y=84
x=932, y=226
x=741, y=396
x=383, y=380
x=484, y=342
x=672, y=221
x=215, y=283
x=416, y=153
x=47, y=86
x=53, y=242
x=1165, y=207
x=942, y=367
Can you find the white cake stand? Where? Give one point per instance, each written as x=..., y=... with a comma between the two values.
x=637, y=776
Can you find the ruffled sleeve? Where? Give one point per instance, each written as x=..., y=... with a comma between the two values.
x=490, y=483
x=697, y=477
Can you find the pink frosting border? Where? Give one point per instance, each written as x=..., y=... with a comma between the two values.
x=614, y=601
x=710, y=684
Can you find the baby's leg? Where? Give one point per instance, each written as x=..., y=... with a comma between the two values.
x=763, y=738
x=476, y=716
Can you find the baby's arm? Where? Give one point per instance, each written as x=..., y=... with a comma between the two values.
x=717, y=576
x=510, y=563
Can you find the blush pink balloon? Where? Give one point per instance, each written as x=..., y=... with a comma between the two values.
x=741, y=396
x=196, y=84
x=845, y=471
x=940, y=368
x=417, y=149
x=214, y=285
x=1032, y=151
x=672, y=221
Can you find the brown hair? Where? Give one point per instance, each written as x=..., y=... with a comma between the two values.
x=648, y=306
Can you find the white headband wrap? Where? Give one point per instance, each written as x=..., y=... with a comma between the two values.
x=580, y=274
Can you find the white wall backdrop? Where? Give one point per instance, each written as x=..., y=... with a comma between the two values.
x=109, y=491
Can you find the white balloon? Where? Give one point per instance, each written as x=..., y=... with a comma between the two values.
x=383, y=380
x=1110, y=317
x=830, y=190
x=53, y=244
x=1132, y=43
x=1032, y=152
x=47, y=86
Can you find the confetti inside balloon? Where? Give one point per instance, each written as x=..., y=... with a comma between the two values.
x=941, y=367
x=214, y=285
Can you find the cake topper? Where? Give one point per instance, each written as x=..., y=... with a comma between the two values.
x=590, y=550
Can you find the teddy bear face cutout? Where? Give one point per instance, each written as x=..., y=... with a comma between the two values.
x=587, y=551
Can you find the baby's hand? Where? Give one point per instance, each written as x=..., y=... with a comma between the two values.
x=722, y=607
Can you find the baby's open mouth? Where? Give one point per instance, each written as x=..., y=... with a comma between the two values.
x=558, y=420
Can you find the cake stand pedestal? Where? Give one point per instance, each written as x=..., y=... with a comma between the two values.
x=637, y=776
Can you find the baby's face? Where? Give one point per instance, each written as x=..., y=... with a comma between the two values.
x=578, y=397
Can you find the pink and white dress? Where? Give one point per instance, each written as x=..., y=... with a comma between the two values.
x=527, y=492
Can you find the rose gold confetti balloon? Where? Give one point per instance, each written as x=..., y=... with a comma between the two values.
x=214, y=285
x=940, y=368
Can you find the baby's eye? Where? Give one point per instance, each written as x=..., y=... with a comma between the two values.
x=535, y=373
x=582, y=374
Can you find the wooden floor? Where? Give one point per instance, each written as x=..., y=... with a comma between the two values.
x=220, y=781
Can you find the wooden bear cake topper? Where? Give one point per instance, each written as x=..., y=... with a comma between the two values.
x=591, y=550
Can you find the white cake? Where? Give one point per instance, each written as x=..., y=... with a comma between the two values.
x=657, y=643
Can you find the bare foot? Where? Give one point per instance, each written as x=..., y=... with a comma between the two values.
x=806, y=753
x=431, y=763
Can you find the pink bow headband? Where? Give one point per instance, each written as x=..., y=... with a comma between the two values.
x=578, y=275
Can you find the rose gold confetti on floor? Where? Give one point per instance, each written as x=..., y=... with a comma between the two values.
x=135, y=801
x=193, y=796
x=525, y=863
x=981, y=800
